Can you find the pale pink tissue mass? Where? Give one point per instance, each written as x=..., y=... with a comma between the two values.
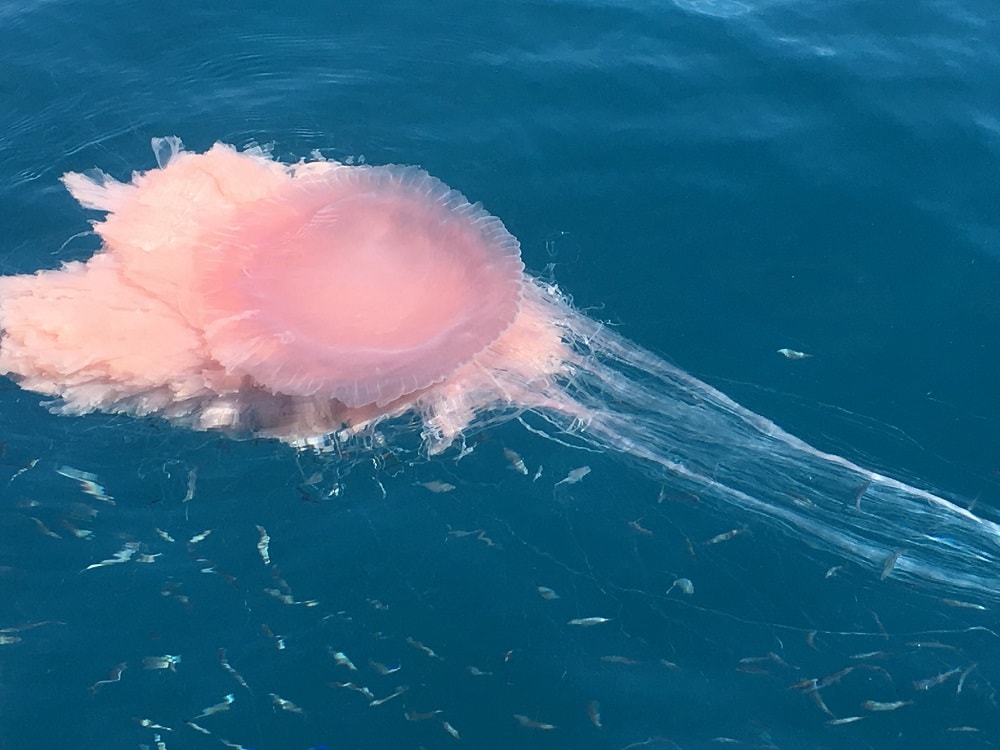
x=236, y=292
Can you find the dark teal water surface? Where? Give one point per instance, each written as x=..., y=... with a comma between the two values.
x=717, y=178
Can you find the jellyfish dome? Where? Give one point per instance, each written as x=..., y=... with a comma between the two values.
x=313, y=301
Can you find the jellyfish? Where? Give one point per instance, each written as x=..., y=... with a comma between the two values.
x=317, y=302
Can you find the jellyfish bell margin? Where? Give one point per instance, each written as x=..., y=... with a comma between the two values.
x=214, y=303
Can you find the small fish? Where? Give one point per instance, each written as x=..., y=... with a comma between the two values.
x=689, y=546
x=546, y=593
x=725, y=536
x=224, y=663
x=615, y=659
x=279, y=640
x=930, y=682
x=211, y=568
x=421, y=716
x=197, y=538
x=931, y=644
x=421, y=647
x=27, y=467
x=586, y=622
x=516, y=462
x=884, y=706
x=594, y=713
x=638, y=528
x=437, y=487
x=818, y=683
x=817, y=698
x=219, y=707
x=450, y=730
x=793, y=354
x=285, y=705
x=289, y=599
x=45, y=529
x=684, y=585
x=966, y=605
x=879, y=625
x=262, y=545
x=845, y=720
x=382, y=668
x=192, y=483
x=861, y=493
x=167, y=661
x=961, y=679
x=356, y=688
x=868, y=655
x=890, y=564
x=121, y=556
x=115, y=675
x=528, y=723
x=770, y=656
x=801, y=500
x=379, y=701
x=88, y=483
x=341, y=658
x=574, y=476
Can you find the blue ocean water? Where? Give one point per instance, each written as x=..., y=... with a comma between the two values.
x=717, y=179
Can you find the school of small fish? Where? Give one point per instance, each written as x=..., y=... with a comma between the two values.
x=860, y=689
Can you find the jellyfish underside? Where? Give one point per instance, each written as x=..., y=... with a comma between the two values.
x=315, y=301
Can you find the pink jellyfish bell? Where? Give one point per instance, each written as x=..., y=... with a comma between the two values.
x=238, y=293
x=360, y=284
